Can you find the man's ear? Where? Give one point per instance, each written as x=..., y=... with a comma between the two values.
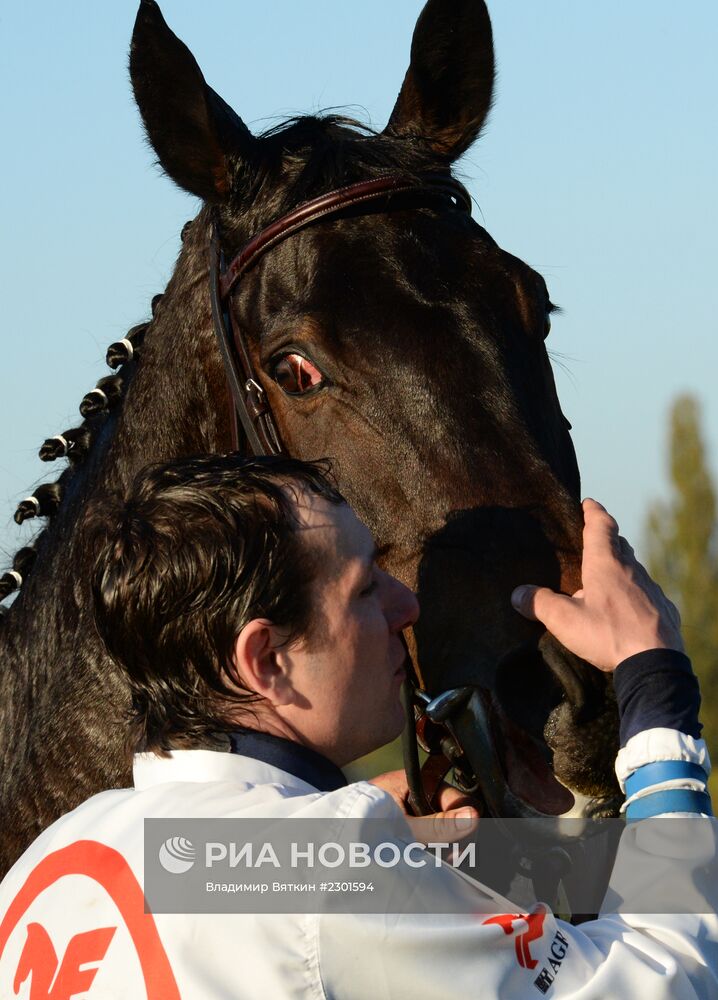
x=259, y=665
x=447, y=91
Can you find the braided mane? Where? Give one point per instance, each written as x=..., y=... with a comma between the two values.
x=74, y=444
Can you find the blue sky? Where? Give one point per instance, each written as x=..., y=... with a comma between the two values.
x=598, y=168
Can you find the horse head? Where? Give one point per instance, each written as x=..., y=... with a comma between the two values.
x=405, y=344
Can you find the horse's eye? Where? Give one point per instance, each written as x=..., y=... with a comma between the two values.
x=547, y=325
x=295, y=374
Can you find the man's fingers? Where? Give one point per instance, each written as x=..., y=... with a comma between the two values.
x=447, y=797
x=522, y=600
x=617, y=612
x=444, y=827
x=600, y=531
x=544, y=605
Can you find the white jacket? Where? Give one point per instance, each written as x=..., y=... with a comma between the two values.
x=72, y=923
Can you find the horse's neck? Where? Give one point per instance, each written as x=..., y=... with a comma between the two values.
x=176, y=405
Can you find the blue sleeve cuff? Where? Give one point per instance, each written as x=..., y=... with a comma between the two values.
x=657, y=689
x=673, y=800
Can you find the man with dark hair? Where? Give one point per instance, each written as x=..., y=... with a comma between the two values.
x=227, y=588
x=198, y=552
x=263, y=645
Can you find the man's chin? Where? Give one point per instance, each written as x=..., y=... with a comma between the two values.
x=398, y=726
x=391, y=719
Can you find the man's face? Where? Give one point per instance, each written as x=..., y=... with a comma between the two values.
x=348, y=673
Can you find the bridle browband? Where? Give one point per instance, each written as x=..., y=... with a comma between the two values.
x=249, y=399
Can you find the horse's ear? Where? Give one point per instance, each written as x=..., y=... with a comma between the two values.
x=192, y=130
x=446, y=94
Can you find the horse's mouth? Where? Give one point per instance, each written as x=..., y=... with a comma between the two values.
x=526, y=764
x=525, y=694
x=534, y=684
x=537, y=743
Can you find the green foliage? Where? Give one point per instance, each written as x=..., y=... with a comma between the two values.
x=682, y=546
x=388, y=758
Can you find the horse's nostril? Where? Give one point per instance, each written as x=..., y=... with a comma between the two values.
x=583, y=686
x=527, y=689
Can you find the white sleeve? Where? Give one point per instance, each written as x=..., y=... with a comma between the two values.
x=653, y=745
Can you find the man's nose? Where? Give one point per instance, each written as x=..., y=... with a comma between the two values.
x=402, y=606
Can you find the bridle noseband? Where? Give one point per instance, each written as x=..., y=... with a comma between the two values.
x=249, y=399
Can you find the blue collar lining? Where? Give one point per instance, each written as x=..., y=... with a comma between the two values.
x=294, y=758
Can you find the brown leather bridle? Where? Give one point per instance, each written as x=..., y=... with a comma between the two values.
x=249, y=397
x=249, y=400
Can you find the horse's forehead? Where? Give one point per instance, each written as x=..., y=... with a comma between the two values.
x=395, y=267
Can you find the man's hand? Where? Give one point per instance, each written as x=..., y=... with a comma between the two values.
x=458, y=816
x=620, y=610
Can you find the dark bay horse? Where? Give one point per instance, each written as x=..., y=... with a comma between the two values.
x=401, y=342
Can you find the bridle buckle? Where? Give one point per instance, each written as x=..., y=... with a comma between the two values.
x=256, y=398
x=436, y=735
x=252, y=386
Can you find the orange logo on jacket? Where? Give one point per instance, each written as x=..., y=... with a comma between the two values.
x=52, y=978
x=39, y=960
x=534, y=930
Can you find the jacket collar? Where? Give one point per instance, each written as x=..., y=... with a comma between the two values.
x=288, y=756
x=255, y=758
